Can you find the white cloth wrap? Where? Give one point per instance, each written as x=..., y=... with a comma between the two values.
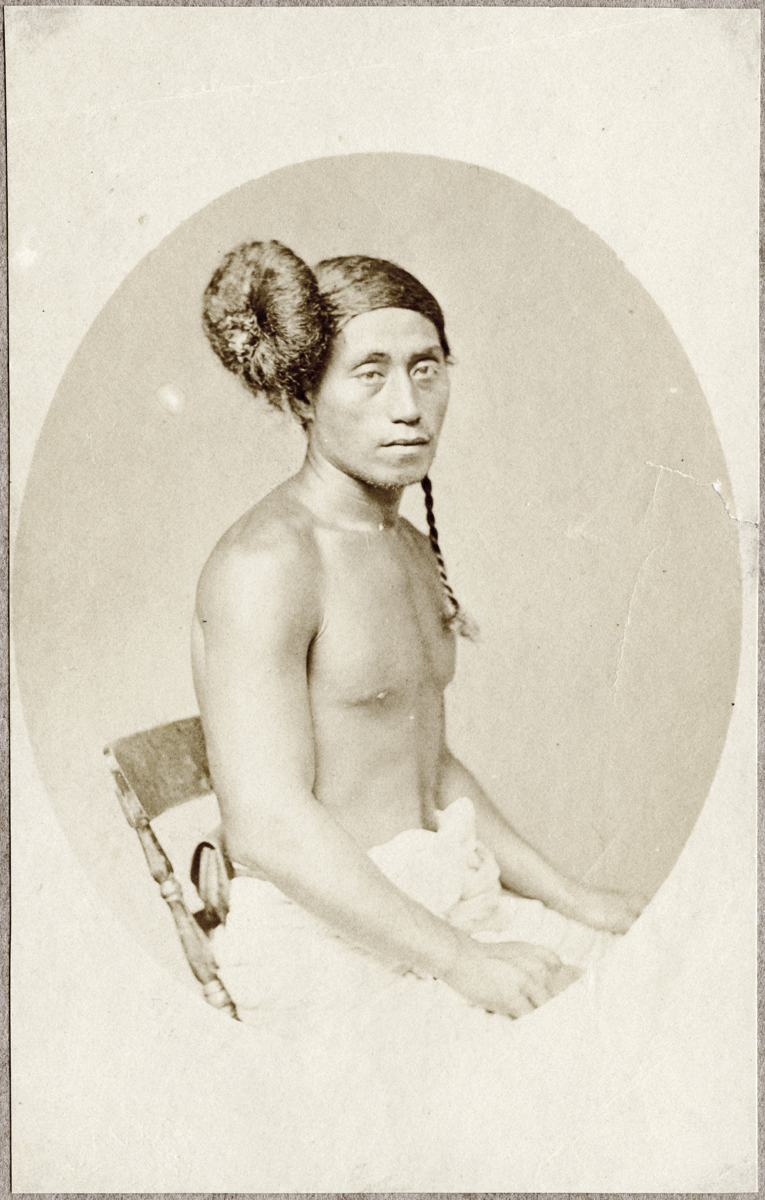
x=285, y=967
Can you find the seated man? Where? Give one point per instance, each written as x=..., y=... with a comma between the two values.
x=323, y=641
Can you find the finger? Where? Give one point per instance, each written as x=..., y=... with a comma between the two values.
x=529, y=951
x=564, y=978
x=520, y=1006
x=538, y=993
x=538, y=981
x=548, y=957
x=637, y=904
x=540, y=969
x=541, y=972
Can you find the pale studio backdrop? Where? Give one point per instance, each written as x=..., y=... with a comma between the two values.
x=580, y=489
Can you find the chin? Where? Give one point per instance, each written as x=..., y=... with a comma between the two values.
x=389, y=481
x=403, y=474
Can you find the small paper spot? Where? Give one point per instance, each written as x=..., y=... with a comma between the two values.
x=170, y=397
x=24, y=258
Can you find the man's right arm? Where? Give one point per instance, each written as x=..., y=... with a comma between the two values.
x=259, y=612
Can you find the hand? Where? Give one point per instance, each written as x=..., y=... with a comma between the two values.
x=512, y=978
x=614, y=911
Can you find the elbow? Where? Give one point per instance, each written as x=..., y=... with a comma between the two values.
x=241, y=849
x=265, y=842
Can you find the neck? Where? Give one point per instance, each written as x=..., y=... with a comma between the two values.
x=343, y=500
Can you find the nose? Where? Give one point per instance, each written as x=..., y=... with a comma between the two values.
x=403, y=399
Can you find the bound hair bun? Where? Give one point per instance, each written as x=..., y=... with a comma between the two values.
x=266, y=321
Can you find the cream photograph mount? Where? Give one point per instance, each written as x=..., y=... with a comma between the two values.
x=621, y=119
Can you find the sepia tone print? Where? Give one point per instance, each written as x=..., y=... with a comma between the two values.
x=409, y=862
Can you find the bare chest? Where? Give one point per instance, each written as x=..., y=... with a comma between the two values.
x=383, y=636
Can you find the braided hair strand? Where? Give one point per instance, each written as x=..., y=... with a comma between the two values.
x=457, y=620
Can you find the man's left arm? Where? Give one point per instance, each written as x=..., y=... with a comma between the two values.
x=523, y=869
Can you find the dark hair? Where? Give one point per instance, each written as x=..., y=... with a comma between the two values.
x=356, y=284
x=272, y=320
x=268, y=324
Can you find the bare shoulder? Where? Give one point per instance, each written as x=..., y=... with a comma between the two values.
x=421, y=545
x=421, y=540
x=266, y=566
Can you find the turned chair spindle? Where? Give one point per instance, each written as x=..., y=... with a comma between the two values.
x=154, y=771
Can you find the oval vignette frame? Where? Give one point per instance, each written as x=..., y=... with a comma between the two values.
x=605, y=580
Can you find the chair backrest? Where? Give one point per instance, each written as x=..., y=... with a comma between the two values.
x=166, y=765
x=153, y=771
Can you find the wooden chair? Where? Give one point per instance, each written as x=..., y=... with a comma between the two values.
x=154, y=771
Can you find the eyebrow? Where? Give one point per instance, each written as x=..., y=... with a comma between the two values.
x=431, y=352
x=377, y=356
x=373, y=357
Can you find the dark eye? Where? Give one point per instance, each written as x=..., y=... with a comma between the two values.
x=426, y=369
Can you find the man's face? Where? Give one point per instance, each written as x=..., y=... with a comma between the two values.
x=378, y=410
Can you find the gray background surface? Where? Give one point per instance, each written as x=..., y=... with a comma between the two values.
x=574, y=497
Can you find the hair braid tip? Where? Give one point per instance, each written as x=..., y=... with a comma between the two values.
x=457, y=620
